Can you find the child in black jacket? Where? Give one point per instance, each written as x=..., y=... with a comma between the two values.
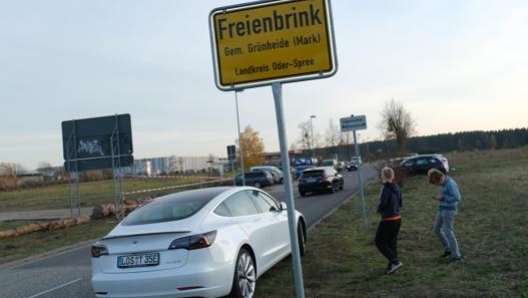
x=390, y=201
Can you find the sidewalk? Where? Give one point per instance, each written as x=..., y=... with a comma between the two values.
x=44, y=214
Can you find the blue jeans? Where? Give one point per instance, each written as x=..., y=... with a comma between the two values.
x=443, y=229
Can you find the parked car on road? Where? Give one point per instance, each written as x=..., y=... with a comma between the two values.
x=300, y=169
x=257, y=179
x=208, y=242
x=421, y=164
x=278, y=174
x=341, y=166
x=354, y=164
x=329, y=163
x=320, y=179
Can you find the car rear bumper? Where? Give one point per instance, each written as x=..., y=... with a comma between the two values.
x=315, y=187
x=181, y=282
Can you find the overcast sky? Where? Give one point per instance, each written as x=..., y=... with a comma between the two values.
x=456, y=65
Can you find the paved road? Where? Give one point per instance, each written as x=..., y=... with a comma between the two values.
x=67, y=274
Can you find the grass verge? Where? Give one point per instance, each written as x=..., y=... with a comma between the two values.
x=491, y=228
x=91, y=193
x=16, y=248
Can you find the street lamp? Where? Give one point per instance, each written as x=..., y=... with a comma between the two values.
x=313, y=141
x=239, y=134
x=359, y=143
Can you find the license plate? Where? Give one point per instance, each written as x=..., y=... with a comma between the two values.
x=139, y=260
x=311, y=180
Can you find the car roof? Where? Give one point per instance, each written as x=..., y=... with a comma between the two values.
x=318, y=169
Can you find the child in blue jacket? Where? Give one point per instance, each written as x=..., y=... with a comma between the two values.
x=448, y=200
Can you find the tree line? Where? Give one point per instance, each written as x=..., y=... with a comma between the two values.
x=449, y=142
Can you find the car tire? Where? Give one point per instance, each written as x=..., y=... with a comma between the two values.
x=333, y=189
x=302, y=193
x=342, y=185
x=257, y=184
x=244, y=277
x=301, y=237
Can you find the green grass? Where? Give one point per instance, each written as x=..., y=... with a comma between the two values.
x=17, y=248
x=491, y=228
x=91, y=193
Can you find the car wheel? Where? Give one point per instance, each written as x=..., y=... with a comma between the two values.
x=301, y=237
x=333, y=189
x=245, y=276
x=342, y=185
x=302, y=193
x=257, y=184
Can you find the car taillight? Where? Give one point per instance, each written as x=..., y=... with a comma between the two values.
x=324, y=177
x=194, y=242
x=99, y=250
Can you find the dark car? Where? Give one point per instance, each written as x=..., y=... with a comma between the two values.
x=300, y=169
x=421, y=164
x=320, y=179
x=257, y=179
x=354, y=164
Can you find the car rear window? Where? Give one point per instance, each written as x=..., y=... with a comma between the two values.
x=172, y=207
x=255, y=174
x=317, y=173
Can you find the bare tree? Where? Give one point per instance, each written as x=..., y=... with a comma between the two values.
x=333, y=135
x=11, y=169
x=305, y=140
x=396, y=123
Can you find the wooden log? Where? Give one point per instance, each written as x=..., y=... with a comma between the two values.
x=82, y=219
x=7, y=233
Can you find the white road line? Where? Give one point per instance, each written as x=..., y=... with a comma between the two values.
x=55, y=288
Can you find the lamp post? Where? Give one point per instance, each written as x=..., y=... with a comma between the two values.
x=313, y=141
x=359, y=142
x=239, y=134
x=366, y=142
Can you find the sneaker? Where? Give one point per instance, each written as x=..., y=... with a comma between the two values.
x=455, y=260
x=446, y=254
x=393, y=267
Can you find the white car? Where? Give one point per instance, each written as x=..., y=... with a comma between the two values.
x=208, y=242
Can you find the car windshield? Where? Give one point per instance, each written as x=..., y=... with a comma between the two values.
x=170, y=208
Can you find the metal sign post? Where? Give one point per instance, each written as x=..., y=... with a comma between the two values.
x=352, y=124
x=273, y=42
x=240, y=141
x=231, y=155
x=285, y=160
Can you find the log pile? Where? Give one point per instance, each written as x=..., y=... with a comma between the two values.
x=45, y=226
x=108, y=210
x=98, y=212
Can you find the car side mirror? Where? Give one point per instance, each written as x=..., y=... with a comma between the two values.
x=283, y=206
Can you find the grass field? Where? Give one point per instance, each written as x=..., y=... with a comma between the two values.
x=342, y=260
x=491, y=228
x=91, y=193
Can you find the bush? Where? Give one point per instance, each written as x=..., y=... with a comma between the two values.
x=8, y=183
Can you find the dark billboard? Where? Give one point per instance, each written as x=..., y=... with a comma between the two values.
x=93, y=142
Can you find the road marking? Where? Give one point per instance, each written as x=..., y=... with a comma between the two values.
x=55, y=288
